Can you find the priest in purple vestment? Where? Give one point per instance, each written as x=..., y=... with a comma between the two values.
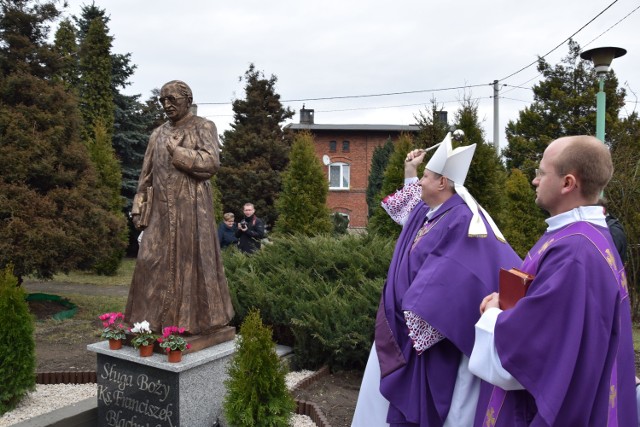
x=446, y=259
x=563, y=355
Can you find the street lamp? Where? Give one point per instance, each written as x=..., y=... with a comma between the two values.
x=601, y=58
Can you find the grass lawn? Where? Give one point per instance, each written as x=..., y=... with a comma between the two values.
x=85, y=322
x=121, y=278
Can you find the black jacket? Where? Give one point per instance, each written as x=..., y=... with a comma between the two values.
x=249, y=241
x=617, y=234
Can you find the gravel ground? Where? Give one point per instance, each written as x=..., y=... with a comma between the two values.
x=48, y=397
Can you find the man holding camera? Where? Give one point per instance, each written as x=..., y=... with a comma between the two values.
x=250, y=230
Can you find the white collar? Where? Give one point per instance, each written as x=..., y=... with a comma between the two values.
x=432, y=212
x=592, y=214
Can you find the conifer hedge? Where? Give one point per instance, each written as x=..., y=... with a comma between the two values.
x=319, y=294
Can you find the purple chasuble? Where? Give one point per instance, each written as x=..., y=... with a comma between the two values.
x=564, y=338
x=442, y=279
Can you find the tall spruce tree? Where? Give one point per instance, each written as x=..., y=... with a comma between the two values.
x=96, y=97
x=133, y=121
x=66, y=46
x=380, y=222
x=255, y=150
x=379, y=161
x=98, y=111
x=302, y=205
x=54, y=216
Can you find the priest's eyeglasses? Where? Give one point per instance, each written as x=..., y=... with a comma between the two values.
x=172, y=99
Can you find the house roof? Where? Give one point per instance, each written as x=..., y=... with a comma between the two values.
x=378, y=128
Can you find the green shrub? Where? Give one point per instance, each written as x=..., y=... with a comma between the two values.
x=319, y=294
x=17, y=353
x=257, y=394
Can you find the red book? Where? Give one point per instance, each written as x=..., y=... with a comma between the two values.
x=513, y=286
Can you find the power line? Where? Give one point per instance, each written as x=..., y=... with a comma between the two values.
x=514, y=99
x=393, y=106
x=326, y=98
x=607, y=30
x=458, y=87
x=519, y=87
x=563, y=42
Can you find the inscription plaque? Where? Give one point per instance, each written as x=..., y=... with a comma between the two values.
x=134, y=395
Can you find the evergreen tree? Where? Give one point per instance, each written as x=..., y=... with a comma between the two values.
x=18, y=359
x=96, y=97
x=133, y=121
x=66, y=46
x=257, y=394
x=54, y=216
x=379, y=161
x=255, y=150
x=563, y=104
x=524, y=222
x=380, y=221
x=103, y=157
x=302, y=205
x=486, y=177
x=217, y=200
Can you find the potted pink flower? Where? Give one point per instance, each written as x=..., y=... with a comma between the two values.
x=173, y=342
x=114, y=329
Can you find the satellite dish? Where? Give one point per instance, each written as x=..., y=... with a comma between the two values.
x=326, y=160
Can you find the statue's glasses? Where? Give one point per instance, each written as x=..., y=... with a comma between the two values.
x=172, y=99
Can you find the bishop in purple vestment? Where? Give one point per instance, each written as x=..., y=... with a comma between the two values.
x=440, y=271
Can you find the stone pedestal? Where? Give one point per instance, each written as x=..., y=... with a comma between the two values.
x=134, y=390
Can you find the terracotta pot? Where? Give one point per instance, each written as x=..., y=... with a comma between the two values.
x=115, y=344
x=174, y=356
x=146, y=350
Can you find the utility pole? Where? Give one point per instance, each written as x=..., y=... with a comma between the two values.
x=496, y=118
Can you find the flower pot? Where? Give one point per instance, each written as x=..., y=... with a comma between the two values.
x=146, y=350
x=115, y=344
x=174, y=356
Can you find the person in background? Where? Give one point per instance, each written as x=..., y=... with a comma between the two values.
x=227, y=231
x=563, y=355
x=617, y=231
x=448, y=255
x=250, y=230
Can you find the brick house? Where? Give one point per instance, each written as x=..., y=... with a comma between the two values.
x=346, y=152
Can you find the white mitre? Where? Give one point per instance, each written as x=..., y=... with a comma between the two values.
x=454, y=165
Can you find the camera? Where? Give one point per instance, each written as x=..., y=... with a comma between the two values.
x=243, y=223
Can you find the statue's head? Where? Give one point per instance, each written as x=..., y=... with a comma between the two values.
x=176, y=99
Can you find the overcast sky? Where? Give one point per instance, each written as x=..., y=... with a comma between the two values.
x=344, y=48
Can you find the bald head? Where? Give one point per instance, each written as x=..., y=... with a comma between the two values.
x=588, y=159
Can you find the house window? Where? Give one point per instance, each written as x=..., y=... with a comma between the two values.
x=332, y=146
x=345, y=146
x=339, y=176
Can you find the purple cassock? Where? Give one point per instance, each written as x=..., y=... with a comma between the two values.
x=568, y=342
x=442, y=278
